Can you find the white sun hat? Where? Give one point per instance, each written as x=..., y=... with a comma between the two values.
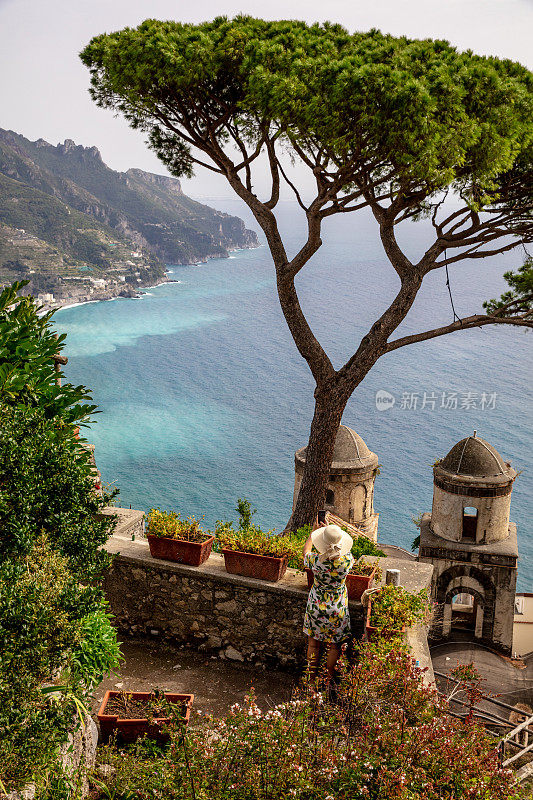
x=331, y=542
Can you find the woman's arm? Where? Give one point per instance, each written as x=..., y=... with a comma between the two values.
x=308, y=542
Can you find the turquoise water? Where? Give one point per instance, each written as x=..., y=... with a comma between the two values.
x=204, y=397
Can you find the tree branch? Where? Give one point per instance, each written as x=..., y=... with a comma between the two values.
x=475, y=321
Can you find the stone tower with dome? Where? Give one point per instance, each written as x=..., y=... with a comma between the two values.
x=350, y=490
x=469, y=539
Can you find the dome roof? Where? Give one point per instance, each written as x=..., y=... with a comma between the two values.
x=473, y=457
x=350, y=452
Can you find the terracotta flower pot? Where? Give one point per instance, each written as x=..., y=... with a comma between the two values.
x=130, y=729
x=265, y=568
x=356, y=584
x=192, y=553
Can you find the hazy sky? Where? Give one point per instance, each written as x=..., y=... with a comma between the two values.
x=43, y=85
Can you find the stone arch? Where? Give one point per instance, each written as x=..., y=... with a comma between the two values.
x=480, y=600
x=472, y=581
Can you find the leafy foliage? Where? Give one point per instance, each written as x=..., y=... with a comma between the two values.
x=170, y=525
x=468, y=115
x=387, y=735
x=97, y=652
x=56, y=639
x=519, y=298
x=380, y=122
x=41, y=608
x=364, y=567
x=47, y=485
x=27, y=367
x=393, y=608
x=249, y=538
x=254, y=540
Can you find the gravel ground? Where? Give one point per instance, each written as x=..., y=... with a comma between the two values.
x=216, y=684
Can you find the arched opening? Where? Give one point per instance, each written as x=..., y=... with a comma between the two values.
x=463, y=613
x=463, y=580
x=330, y=497
x=357, y=503
x=469, y=523
x=464, y=610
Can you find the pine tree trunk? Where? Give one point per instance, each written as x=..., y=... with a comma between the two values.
x=319, y=455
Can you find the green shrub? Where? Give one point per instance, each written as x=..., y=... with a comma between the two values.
x=47, y=484
x=97, y=652
x=41, y=607
x=28, y=345
x=56, y=640
x=393, y=607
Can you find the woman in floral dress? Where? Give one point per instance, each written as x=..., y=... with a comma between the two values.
x=327, y=617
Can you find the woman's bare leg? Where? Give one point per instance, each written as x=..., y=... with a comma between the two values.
x=334, y=653
x=313, y=657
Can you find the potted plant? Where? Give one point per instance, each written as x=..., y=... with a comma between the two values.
x=361, y=576
x=392, y=609
x=254, y=553
x=134, y=714
x=175, y=539
x=251, y=551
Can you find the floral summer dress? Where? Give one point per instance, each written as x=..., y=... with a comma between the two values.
x=327, y=617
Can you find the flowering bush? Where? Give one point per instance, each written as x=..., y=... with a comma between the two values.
x=386, y=736
x=393, y=607
x=170, y=525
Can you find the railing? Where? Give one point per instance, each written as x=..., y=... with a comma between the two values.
x=352, y=529
x=490, y=718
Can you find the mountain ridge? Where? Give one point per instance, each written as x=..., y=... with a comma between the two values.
x=121, y=213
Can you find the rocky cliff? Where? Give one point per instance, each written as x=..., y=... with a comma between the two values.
x=74, y=210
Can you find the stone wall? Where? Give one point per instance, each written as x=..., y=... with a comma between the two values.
x=230, y=616
x=233, y=617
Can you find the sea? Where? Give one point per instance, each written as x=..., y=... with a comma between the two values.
x=204, y=398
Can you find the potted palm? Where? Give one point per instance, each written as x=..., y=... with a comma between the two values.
x=134, y=714
x=392, y=609
x=175, y=539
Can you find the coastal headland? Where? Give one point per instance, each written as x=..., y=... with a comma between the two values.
x=79, y=231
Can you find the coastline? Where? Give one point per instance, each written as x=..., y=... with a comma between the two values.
x=106, y=296
x=136, y=293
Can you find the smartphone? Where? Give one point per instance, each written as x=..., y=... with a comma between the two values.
x=322, y=517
